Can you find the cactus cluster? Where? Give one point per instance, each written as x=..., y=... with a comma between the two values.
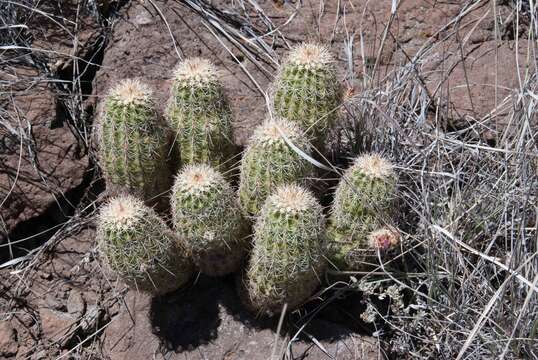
x=287, y=258
x=270, y=161
x=206, y=214
x=200, y=116
x=288, y=251
x=140, y=248
x=133, y=143
x=307, y=91
x=363, y=202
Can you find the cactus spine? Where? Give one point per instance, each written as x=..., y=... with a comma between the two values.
x=200, y=115
x=307, y=90
x=363, y=202
x=133, y=143
x=287, y=258
x=269, y=161
x=138, y=246
x=206, y=214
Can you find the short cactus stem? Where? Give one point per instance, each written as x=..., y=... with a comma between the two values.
x=200, y=116
x=307, y=90
x=206, y=214
x=288, y=258
x=270, y=161
x=140, y=248
x=363, y=202
x=133, y=143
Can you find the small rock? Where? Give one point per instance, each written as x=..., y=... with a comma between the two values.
x=76, y=304
x=46, y=275
x=91, y=320
x=51, y=301
x=55, y=324
x=144, y=18
x=8, y=339
x=40, y=355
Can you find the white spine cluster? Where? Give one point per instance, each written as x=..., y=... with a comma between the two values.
x=292, y=199
x=197, y=179
x=196, y=72
x=271, y=132
x=122, y=212
x=374, y=165
x=131, y=91
x=311, y=56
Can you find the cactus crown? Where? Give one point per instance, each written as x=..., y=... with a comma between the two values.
x=131, y=91
x=197, y=179
x=196, y=72
x=291, y=200
x=374, y=165
x=271, y=131
x=311, y=56
x=122, y=212
x=384, y=238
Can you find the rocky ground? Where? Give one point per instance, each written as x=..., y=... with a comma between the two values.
x=56, y=300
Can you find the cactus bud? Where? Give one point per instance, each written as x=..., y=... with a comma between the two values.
x=133, y=144
x=138, y=246
x=307, y=91
x=206, y=214
x=287, y=258
x=199, y=114
x=269, y=161
x=363, y=201
x=364, y=254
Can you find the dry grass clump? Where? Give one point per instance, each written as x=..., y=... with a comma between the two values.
x=468, y=211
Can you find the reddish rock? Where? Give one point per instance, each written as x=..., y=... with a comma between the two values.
x=44, y=163
x=475, y=84
x=55, y=325
x=205, y=322
x=8, y=339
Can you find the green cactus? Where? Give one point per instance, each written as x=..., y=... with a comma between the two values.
x=307, y=90
x=133, y=143
x=363, y=202
x=269, y=161
x=206, y=214
x=140, y=248
x=288, y=257
x=199, y=114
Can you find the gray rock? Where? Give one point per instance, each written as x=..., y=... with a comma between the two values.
x=76, y=304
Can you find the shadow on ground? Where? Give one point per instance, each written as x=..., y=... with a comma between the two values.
x=189, y=318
